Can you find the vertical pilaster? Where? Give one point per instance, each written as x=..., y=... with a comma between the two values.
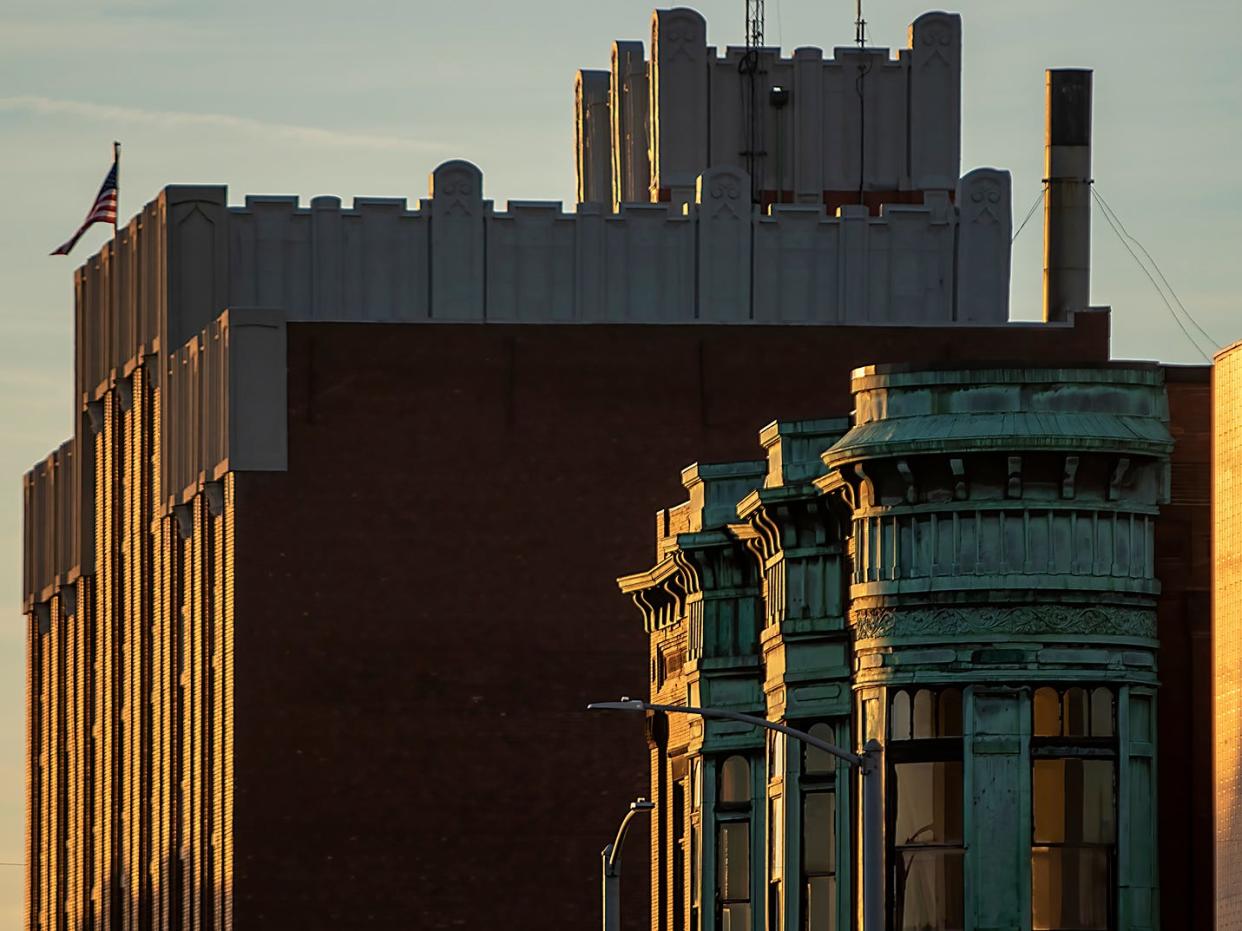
x=985, y=228
x=723, y=209
x=679, y=103
x=457, y=242
x=997, y=826
x=935, y=104
x=1138, y=903
x=631, y=168
x=592, y=137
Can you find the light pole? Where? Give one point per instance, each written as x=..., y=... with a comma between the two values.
x=610, y=861
x=867, y=763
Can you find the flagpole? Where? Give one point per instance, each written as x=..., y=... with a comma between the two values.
x=116, y=160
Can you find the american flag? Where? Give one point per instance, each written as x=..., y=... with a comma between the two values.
x=102, y=211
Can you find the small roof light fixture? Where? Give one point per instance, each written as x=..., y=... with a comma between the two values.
x=778, y=96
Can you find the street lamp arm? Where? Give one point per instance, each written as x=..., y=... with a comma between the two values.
x=612, y=854
x=869, y=765
x=636, y=705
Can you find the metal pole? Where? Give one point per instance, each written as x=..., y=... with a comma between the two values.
x=611, y=891
x=610, y=864
x=873, y=838
x=869, y=764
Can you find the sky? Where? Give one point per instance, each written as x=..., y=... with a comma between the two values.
x=365, y=98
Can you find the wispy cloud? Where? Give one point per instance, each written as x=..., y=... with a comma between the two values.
x=308, y=135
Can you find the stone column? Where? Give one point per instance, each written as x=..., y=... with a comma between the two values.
x=592, y=132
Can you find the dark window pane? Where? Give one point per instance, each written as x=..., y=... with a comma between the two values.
x=733, y=860
x=899, y=717
x=1070, y=887
x=949, y=717
x=819, y=830
x=696, y=853
x=1102, y=713
x=923, y=714
x=776, y=837
x=929, y=890
x=735, y=781
x=1075, y=713
x=929, y=803
x=821, y=904
x=776, y=755
x=1047, y=713
x=776, y=916
x=817, y=762
x=735, y=917
x=1073, y=802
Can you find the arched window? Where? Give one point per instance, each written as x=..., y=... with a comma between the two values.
x=735, y=781
x=1047, y=708
x=923, y=714
x=899, y=717
x=817, y=762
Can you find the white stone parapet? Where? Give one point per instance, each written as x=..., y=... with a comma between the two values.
x=456, y=258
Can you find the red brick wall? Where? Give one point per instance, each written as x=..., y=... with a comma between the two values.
x=1183, y=564
x=425, y=601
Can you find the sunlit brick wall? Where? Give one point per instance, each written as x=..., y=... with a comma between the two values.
x=1227, y=631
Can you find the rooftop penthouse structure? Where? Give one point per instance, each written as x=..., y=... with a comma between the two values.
x=860, y=126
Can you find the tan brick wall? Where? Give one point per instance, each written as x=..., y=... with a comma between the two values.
x=1227, y=632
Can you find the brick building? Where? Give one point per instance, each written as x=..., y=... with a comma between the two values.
x=1227, y=635
x=318, y=588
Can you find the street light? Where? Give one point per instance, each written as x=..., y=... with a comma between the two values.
x=610, y=860
x=866, y=763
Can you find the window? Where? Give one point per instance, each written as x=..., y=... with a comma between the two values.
x=733, y=845
x=1073, y=809
x=926, y=853
x=819, y=833
x=735, y=781
x=776, y=861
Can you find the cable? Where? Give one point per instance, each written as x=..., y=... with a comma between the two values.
x=1104, y=204
x=1181, y=326
x=1030, y=213
x=863, y=71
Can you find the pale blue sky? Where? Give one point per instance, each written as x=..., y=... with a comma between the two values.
x=365, y=98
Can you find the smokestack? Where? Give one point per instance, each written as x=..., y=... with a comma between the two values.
x=1067, y=201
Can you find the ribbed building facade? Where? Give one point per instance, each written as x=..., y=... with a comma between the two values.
x=130, y=687
x=1227, y=633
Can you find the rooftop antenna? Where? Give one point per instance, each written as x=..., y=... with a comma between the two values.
x=754, y=24
x=860, y=25
x=748, y=67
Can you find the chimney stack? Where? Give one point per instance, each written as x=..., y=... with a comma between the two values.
x=1067, y=199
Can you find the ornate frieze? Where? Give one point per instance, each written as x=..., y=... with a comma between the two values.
x=990, y=621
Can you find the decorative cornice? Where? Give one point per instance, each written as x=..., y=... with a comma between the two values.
x=930, y=622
